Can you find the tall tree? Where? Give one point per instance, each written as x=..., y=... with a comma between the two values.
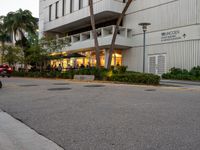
x=96, y=43
x=4, y=37
x=19, y=23
x=112, y=46
x=52, y=45
x=13, y=55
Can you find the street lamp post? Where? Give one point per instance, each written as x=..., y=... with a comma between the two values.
x=144, y=27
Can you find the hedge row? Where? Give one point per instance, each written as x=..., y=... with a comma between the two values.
x=139, y=78
x=103, y=74
x=183, y=74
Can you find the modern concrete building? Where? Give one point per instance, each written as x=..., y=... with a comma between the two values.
x=172, y=40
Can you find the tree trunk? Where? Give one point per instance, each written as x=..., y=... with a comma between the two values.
x=3, y=52
x=112, y=46
x=96, y=43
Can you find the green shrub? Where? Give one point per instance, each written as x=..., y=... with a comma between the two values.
x=183, y=74
x=100, y=74
x=19, y=74
x=121, y=69
x=68, y=74
x=176, y=71
x=195, y=71
x=139, y=78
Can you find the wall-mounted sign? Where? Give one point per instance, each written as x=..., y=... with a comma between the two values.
x=172, y=35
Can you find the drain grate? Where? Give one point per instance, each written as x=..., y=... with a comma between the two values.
x=61, y=84
x=150, y=90
x=59, y=89
x=28, y=85
x=94, y=85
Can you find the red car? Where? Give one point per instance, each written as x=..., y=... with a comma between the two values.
x=5, y=70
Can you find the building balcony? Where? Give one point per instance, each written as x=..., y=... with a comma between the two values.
x=85, y=41
x=104, y=10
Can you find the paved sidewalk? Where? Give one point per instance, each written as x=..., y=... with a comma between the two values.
x=182, y=82
x=14, y=135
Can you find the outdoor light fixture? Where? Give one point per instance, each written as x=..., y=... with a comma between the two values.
x=144, y=27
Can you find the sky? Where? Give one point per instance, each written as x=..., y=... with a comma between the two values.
x=13, y=5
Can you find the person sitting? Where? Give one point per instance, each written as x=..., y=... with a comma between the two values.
x=54, y=68
x=88, y=65
x=69, y=67
x=48, y=67
x=82, y=66
x=59, y=68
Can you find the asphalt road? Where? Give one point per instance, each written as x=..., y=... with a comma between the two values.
x=114, y=117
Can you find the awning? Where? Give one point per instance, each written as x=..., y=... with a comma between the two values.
x=74, y=55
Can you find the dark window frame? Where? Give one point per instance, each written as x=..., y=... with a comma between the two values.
x=71, y=10
x=56, y=10
x=50, y=13
x=80, y=6
x=63, y=8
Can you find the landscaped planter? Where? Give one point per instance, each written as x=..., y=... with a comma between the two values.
x=84, y=77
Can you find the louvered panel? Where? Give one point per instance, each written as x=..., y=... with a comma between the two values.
x=161, y=64
x=152, y=64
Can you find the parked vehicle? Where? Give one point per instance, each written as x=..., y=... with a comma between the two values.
x=0, y=84
x=5, y=70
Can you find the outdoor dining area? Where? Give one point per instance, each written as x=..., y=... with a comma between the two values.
x=80, y=60
x=64, y=62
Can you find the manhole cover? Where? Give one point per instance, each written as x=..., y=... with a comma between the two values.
x=28, y=85
x=61, y=84
x=59, y=89
x=94, y=85
x=150, y=90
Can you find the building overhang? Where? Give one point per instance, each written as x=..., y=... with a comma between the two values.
x=104, y=43
x=104, y=10
x=85, y=41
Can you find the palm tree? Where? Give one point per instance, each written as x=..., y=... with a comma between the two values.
x=18, y=23
x=96, y=43
x=4, y=37
x=112, y=46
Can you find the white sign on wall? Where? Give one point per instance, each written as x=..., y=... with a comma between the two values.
x=172, y=36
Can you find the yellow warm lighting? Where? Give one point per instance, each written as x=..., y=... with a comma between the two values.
x=90, y=59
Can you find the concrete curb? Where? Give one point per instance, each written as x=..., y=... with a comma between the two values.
x=194, y=83
x=15, y=135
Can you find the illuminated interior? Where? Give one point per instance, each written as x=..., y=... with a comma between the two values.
x=89, y=59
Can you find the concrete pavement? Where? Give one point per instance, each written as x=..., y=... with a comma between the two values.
x=14, y=135
x=108, y=117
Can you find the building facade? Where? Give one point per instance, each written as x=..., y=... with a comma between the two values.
x=172, y=39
